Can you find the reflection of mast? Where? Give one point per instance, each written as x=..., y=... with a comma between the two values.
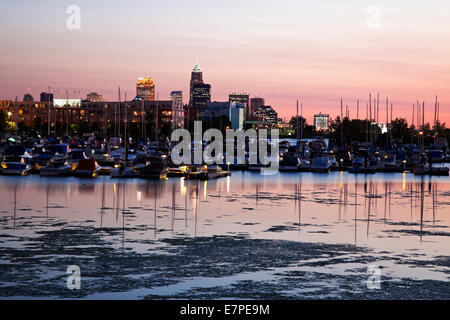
x=300, y=207
x=15, y=205
x=390, y=197
x=197, y=203
x=340, y=201
x=123, y=219
x=173, y=204
x=117, y=202
x=435, y=202
x=102, y=210
x=356, y=206
x=185, y=207
x=411, y=197
x=422, y=195
x=156, y=210
x=369, y=207
x=48, y=191
x=345, y=198
x=385, y=200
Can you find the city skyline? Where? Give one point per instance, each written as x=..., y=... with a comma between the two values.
x=316, y=53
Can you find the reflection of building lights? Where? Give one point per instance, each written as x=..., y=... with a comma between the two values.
x=228, y=184
x=404, y=180
x=341, y=178
x=139, y=196
x=183, y=188
x=205, y=186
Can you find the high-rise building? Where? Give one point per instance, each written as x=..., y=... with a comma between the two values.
x=46, y=97
x=196, y=78
x=321, y=121
x=145, y=89
x=176, y=96
x=255, y=104
x=242, y=98
x=94, y=97
x=267, y=115
x=201, y=95
x=237, y=115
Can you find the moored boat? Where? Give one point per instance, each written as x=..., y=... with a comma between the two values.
x=320, y=164
x=16, y=168
x=87, y=168
x=56, y=169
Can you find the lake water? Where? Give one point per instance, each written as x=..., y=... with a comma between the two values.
x=324, y=230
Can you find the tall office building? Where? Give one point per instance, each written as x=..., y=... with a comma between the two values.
x=266, y=114
x=176, y=96
x=201, y=95
x=255, y=104
x=196, y=78
x=46, y=97
x=145, y=89
x=321, y=121
x=242, y=98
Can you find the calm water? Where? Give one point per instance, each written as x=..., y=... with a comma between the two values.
x=394, y=215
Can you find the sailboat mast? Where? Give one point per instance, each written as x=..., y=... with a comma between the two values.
x=412, y=125
x=357, y=109
x=125, y=129
x=298, y=128
x=157, y=116
x=301, y=120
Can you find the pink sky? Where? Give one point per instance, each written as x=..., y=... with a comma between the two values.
x=317, y=52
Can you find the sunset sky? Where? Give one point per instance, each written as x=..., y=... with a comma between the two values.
x=317, y=51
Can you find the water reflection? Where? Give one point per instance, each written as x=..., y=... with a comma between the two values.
x=245, y=203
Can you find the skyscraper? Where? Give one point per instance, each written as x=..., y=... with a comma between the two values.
x=201, y=95
x=145, y=89
x=176, y=96
x=255, y=104
x=242, y=98
x=196, y=78
x=46, y=97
